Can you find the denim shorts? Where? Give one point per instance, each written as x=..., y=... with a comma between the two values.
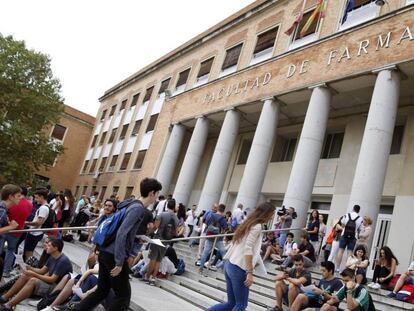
x=410, y=280
x=347, y=243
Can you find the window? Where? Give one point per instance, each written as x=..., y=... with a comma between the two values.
x=103, y=115
x=92, y=169
x=102, y=193
x=84, y=190
x=164, y=86
x=125, y=161
x=128, y=192
x=333, y=146
x=115, y=190
x=409, y=2
x=42, y=178
x=265, y=43
x=311, y=30
x=182, y=79
x=123, y=132
x=85, y=166
x=148, y=94
x=93, y=190
x=102, y=138
x=95, y=138
x=361, y=11
x=112, y=137
x=151, y=123
x=284, y=149
x=112, y=110
x=232, y=57
x=76, y=191
x=123, y=105
x=58, y=132
x=135, y=130
x=134, y=101
x=103, y=163
x=397, y=138
x=205, y=67
x=244, y=151
x=113, y=163
x=140, y=159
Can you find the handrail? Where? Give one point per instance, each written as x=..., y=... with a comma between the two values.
x=52, y=229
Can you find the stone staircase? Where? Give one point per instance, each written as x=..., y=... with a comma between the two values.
x=192, y=291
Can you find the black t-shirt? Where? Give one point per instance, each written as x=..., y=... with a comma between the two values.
x=311, y=251
x=306, y=274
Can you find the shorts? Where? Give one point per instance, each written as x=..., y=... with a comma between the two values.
x=314, y=302
x=347, y=243
x=156, y=252
x=41, y=288
x=31, y=242
x=410, y=280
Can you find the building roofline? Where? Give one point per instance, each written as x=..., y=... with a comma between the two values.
x=232, y=20
x=79, y=115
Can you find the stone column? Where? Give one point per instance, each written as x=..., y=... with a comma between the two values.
x=170, y=157
x=305, y=165
x=372, y=163
x=217, y=171
x=191, y=162
x=258, y=159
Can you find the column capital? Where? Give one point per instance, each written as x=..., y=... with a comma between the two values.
x=269, y=98
x=229, y=108
x=200, y=116
x=323, y=84
x=388, y=67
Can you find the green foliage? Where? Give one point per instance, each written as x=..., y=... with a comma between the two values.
x=30, y=103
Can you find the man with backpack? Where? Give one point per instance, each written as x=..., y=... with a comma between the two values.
x=114, y=238
x=356, y=296
x=40, y=220
x=166, y=225
x=351, y=223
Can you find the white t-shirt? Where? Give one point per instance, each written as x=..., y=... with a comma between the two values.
x=43, y=212
x=289, y=247
x=190, y=218
x=239, y=215
x=358, y=222
x=161, y=207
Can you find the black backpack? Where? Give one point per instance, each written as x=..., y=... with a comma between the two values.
x=169, y=231
x=371, y=306
x=350, y=228
x=51, y=219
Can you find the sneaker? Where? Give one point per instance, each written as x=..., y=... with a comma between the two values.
x=370, y=284
x=6, y=275
x=3, y=300
x=391, y=295
x=197, y=263
x=376, y=286
x=213, y=268
x=151, y=282
x=33, y=303
x=48, y=308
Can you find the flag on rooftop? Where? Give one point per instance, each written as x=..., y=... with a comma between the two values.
x=318, y=12
x=297, y=20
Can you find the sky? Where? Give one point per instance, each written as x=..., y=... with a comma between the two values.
x=94, y=44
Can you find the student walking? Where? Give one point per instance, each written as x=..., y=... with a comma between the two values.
x=241, y=258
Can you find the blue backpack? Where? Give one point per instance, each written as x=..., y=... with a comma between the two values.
x=106, y=232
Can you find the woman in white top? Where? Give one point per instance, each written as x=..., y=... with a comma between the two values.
x=243, y=254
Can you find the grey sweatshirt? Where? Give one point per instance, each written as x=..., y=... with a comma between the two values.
x=123, y=244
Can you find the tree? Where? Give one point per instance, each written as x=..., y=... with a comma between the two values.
x=30, y=103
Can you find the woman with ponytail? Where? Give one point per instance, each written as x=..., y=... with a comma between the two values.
x=243, y=254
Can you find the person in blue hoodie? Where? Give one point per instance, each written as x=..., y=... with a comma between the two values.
x=113, y=258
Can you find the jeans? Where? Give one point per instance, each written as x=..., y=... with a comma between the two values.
x=11, y=247
x=190, y=230
x=208, y=248
x=120, y=285
x=237, y=292
x=282, y=238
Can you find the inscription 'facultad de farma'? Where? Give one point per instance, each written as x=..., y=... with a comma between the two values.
x=333, y=57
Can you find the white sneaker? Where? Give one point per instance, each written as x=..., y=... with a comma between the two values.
x=370, y=284
x=33, y=303
x=376, y=286
x=47, y=309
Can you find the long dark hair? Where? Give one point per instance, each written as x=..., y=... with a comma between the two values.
x=311, y=216
x=361, y=248
x=388, y=255
x=260, y=215
x=181, y=212
x=69, y=196
x=62, y=199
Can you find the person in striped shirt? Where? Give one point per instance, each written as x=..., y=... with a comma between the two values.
x=357, y=296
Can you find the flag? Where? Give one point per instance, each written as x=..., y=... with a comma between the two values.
x=349, y=7
x=297, y=20
x=318, y=12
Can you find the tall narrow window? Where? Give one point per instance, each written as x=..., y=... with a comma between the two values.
x=123, y=105
x=112, y=110
x=397, y=138
x=103, y=115
x=102, y=193
x=112, y=137
x=58, y=132
x=152, y=122
x=102, y=165
x=135, y=130
x=85, y=166
x=125, y=161
x=333, y=146
x=93, y=166
x=284, y=149
x=115, y=190
x=182, y=80
x=311, y=30
x=76, y=191
x=134, y=101
x=164, y=86
x=128, y=192
x=140, y=159
x=204, y=72
x=244, y=151
x=148, y=94
x=85, y=188
x=95, y=138
x=123, y=132
x=101, y=141
x=113, y=163
x=232, y=57
x=265, y=43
